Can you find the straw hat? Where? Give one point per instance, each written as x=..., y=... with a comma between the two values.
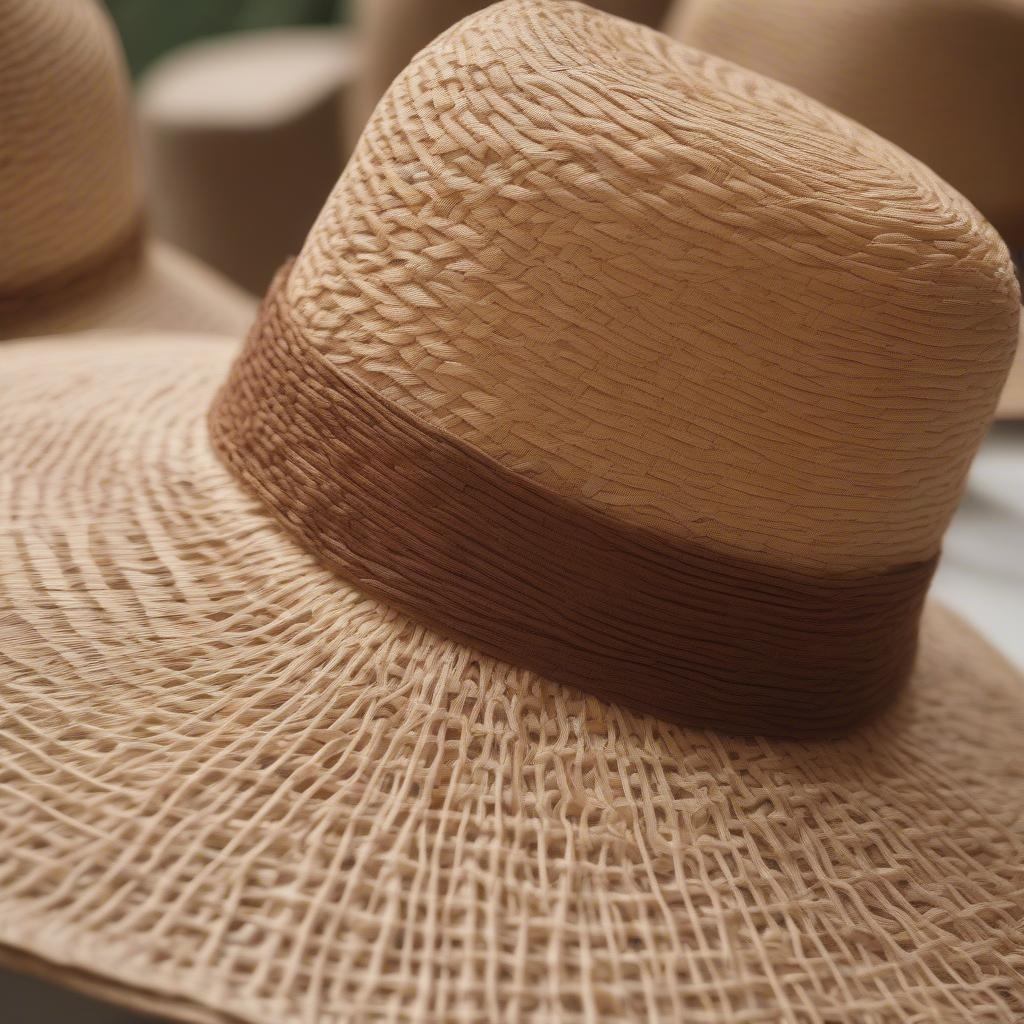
x=75, y=254
x=941, y=78
x=603, y=356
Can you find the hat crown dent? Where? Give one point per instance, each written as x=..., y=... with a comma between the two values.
x=940, y=78
x=668, y=287
x=69, y=183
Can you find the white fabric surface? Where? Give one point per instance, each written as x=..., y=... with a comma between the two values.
x=981, y=574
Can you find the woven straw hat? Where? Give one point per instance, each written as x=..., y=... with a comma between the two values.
x=75, y=254
x=605, y=353
x=941, y=78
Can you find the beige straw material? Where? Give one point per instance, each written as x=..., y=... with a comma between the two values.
x=162, y=289
x=392, y=32
x=941, y=78
x=234, y=788
x=673, y=289
x=70, y=198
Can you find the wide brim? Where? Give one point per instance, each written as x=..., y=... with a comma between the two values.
x=234, y=789
x=164, y=289
x=1011, y=400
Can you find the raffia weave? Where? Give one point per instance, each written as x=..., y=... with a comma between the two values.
x=233, y=787
x=671, y=288
x=411, y=515
x=392, y=32
x=941, y=78
x=229, y=779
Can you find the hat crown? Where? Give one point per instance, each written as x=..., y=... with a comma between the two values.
x=666, y=287
x=941, y=78
x=69, y=189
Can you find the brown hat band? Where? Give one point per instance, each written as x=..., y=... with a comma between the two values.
x=422, y=520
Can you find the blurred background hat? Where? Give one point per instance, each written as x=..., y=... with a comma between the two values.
x=617, y=284
x=76, y=253
x=941, y=78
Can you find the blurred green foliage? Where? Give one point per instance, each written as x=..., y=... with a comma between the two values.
x=150, y=28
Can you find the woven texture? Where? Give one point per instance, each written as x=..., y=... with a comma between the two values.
x=234, y=787
x=73, y=254
x=665, y=286
x=229, y=779
x=422, y=520
x=941, y=78
x=392, y=32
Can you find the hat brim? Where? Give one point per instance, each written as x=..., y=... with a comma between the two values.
x=1011, y=400
x=166, y=289
x=234, y=789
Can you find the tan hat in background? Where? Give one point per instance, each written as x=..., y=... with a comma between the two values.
x=242, y=142
x=944, y=79
x=392, y=32
x=582, y=298
x=75, y=253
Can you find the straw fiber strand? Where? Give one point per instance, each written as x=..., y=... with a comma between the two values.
x=413, y=515
x=667, y=287
x=228, y=777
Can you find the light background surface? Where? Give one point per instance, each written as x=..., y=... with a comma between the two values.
x=981, y=574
